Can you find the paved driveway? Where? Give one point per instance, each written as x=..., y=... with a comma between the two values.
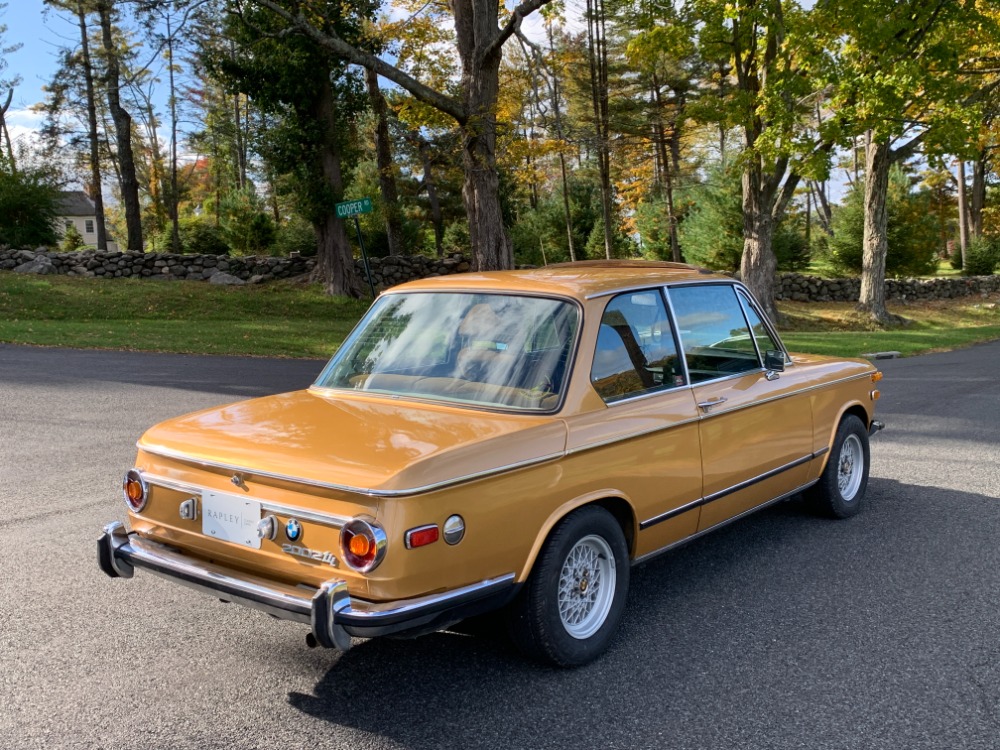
x=781, y=631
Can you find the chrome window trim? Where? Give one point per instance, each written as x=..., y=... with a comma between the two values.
x=698, y=534
x=647, y=394
x=672, y=314
x=643, y=525
x=567, y=377
x=734, y=286
x=745, y=297
x=668, y=310
x=639, y=287
x=157, y=450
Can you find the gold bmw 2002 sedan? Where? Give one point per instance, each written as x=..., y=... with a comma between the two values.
x=509, y=441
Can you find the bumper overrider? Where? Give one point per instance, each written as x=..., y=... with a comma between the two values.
x=330, y=611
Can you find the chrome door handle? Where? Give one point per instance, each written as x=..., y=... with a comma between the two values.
x=706, y=405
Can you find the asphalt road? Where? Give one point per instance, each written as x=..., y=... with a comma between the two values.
x=780, y=631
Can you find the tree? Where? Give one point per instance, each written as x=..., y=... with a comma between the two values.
x=81, y=10
x=8, y=86
x=28, y=200
x=905, y=77
x=479, y=43
x=123, y=129
x=775, y=50
x=313, y=101
x=383, y=158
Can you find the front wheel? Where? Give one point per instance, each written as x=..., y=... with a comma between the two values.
x=842, y=484
x=569, y=609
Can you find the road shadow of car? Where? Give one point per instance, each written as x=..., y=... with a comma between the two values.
x=773, y=623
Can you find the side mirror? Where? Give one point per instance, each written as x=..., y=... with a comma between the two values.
x=774, y=361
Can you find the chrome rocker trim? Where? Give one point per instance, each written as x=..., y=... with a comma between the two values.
x=330, y=611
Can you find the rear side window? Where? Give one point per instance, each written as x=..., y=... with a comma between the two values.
x=713, y=331
x=636, y=352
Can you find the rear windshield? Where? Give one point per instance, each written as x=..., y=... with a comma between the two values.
x=493, y=350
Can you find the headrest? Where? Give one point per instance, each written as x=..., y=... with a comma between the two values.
x=480, y=323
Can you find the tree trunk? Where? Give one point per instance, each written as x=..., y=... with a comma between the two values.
x=963, y=220
x=123, y=134
x=872, y=299
x=567, y=214
x=383, y=158
x=6, y=133
x=566, y=209
x=92, y=137
x=335, y=261
x=172, y=205
x=428, y=181
x=598, y=54
x=491, y=246
x=978, y=199
x=476, y=34
x=758, y=264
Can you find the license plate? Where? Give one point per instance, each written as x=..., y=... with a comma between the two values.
x=230, y=518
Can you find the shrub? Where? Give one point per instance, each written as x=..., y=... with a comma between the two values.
x=456, y=238
x=28, y=203
x=912, y=231
x=711, y=234
x=295, y=236
x=247, y=228
x=72, y=239
x=198, y=236
x=621, y=246
x=981, y=257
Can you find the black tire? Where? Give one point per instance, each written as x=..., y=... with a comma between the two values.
x=585, y=552
x=841, y=486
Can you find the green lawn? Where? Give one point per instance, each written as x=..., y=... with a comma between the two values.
x=275, y=320
x=297, y=320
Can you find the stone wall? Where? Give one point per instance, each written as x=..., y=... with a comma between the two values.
x=392, y=270
x=219, y=269
x=800, y=288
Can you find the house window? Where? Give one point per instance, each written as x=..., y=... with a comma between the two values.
x=69, y=225
x=90, y=226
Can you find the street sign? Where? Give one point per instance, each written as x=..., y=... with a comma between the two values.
x=353, y=208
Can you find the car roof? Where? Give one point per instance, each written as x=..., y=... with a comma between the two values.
x=581, y=280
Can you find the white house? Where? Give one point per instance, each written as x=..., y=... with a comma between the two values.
x=76, y=209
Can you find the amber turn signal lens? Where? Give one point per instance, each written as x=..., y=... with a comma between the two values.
x=875, y=395
x=360, y=545
x=876, y=376
x=135, y=491
x=363, y=543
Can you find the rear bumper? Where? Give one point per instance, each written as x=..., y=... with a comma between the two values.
x=330, y=611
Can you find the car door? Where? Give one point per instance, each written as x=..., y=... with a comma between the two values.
x=756, y=426
x=643, y=443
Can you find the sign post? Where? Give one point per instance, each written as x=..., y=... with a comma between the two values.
x=348, y=209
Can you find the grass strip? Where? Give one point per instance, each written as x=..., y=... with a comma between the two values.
x=286, y=319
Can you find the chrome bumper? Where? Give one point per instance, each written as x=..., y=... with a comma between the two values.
x=876, y=427
x=329, y=610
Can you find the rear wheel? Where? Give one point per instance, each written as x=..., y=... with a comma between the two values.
x=841, y=487
x=568, y=611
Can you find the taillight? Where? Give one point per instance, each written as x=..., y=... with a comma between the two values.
x=135, y=491
x=362, y=543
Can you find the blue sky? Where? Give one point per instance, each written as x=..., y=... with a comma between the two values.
x=41, y=34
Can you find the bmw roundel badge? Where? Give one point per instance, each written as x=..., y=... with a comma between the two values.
x=293, y=530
